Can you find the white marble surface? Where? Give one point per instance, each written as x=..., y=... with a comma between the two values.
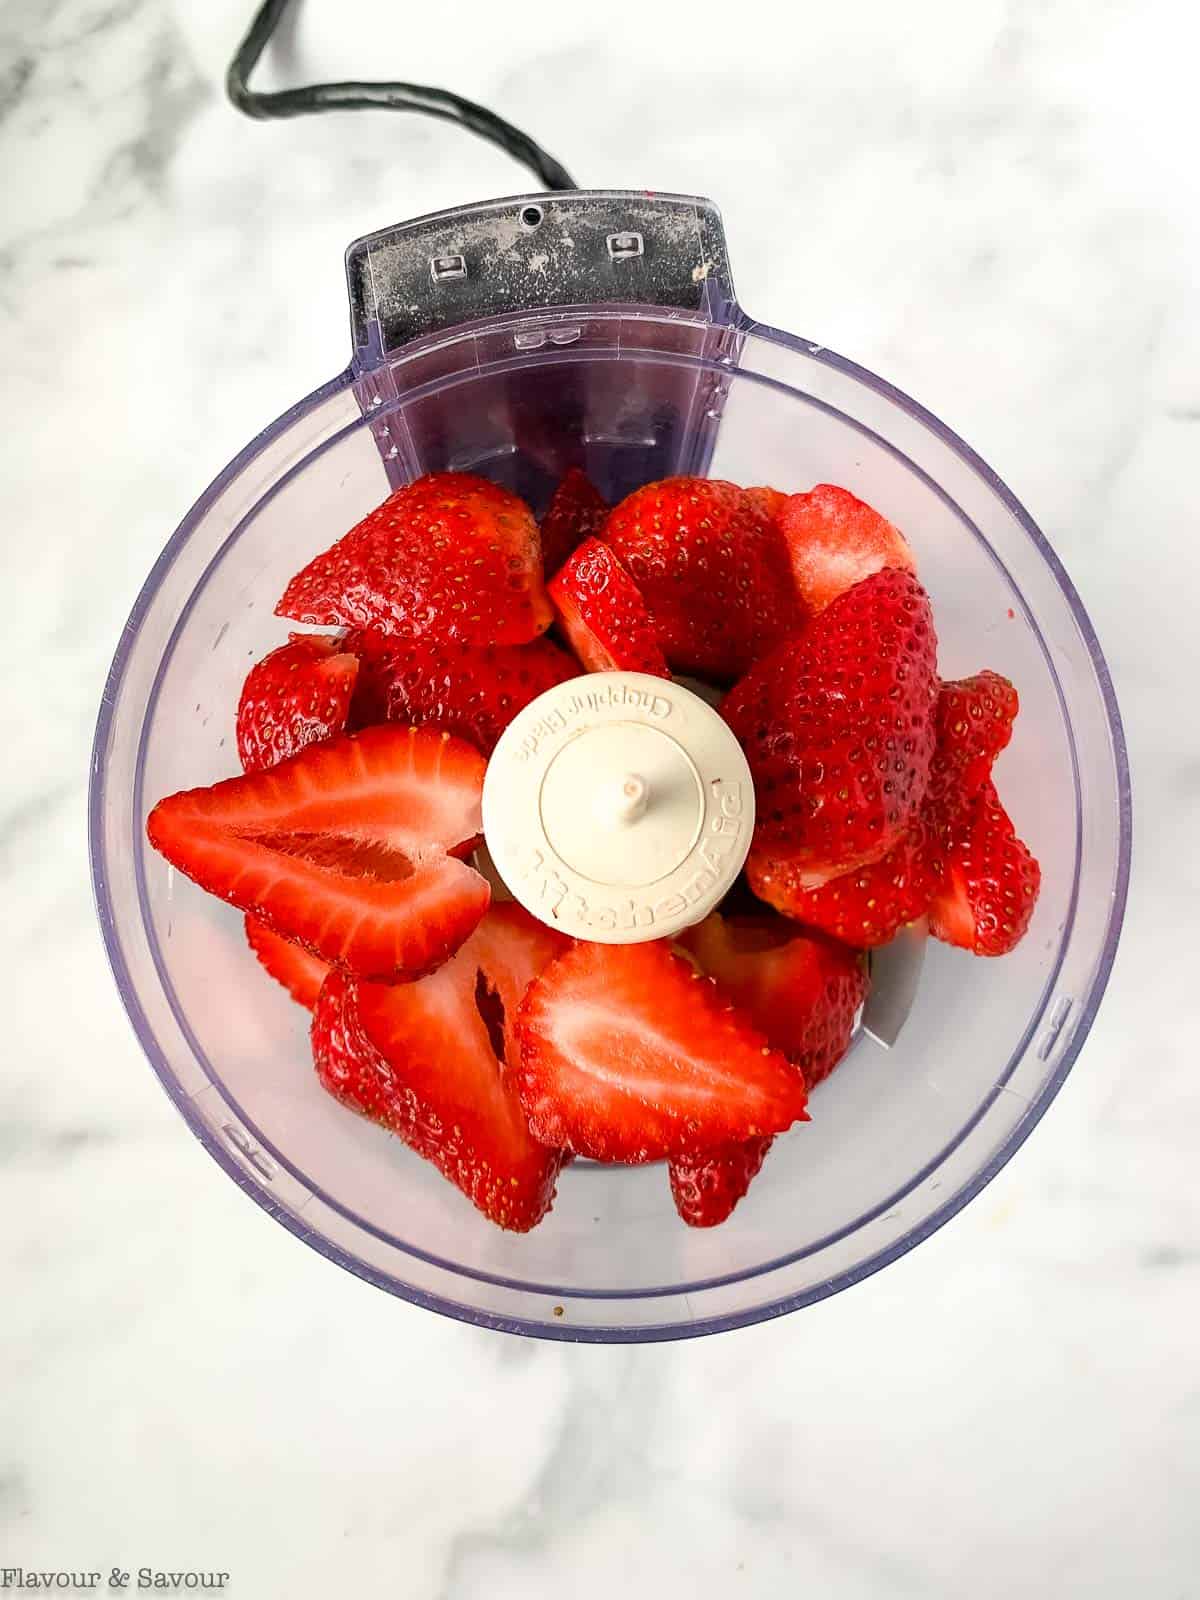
x=995, y=205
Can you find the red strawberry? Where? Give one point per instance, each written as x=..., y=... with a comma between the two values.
x=870, y=904
x=289, y=964
x=989, y=881
x=470, y=690
x=295, y=696
x=424, y=1061
x=576, y=512
x=604, y=615
x=450, y=555
x=801, y=990
x=864, y=907
x=838, y=728
x=835, y=541
x=344, y=848
x=706, y=1187
x=627, y=1054
x=803, y=993
x=974, y=723
x=712, y=569
x=769, y=501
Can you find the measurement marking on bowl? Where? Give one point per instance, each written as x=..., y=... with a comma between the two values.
x=1058, y=1019
x=251, y=1152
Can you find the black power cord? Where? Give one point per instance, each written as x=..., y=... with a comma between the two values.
x=353, y=96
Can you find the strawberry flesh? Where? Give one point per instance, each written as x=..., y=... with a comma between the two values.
x=838, y=727
x=348, y=848
x=576, y=512
x=420, y=1059
x=835, y=540
x=300, y=973
x=712, y=569
x=451, y=555
x=295, y=696
x=473, y=691
x=627, y=1054
x=603, y=614
x=803, y=992
x=865, y=907
x=769, y=501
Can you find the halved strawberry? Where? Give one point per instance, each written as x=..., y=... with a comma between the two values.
x=424, y=1061
x=803, y=992
x=603, y=614
x=576, y=512
x=989, y=880
x=706, y=1187
x=838, y=727
x=864, y=907
x=975, y=718
x=712, y=569
x=627, y=1054
x=294, y=696
x=450, y=555
x=344, y=848
x=836, y=540
x=290, y=964
x=473, y=691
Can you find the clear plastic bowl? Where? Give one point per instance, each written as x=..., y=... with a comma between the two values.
x=901, y=1138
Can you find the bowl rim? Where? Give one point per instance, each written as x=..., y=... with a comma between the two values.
x=623, y=1333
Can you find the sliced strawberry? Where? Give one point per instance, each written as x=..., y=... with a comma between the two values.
x=473, y=691
x=424, y=1061
x=344, y=848
x=295, y=696
x=838, y=727
x=802, y=991
x=870, y=904
x=627, y=1054
x=836, y=540
x=603, y=614
x=706, y=1187
x=576, y=512
x=290, y=964
x=712, y=569
x=975, y=717
x=989, y=881
x=863, y=908
x=450, y=555
x=510, y=948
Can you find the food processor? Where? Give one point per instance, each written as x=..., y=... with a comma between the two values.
x=600, y=329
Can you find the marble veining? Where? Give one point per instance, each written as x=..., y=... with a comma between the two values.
x=995, y=206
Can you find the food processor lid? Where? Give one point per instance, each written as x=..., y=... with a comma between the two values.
x=618, y=807
x=535, y=252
